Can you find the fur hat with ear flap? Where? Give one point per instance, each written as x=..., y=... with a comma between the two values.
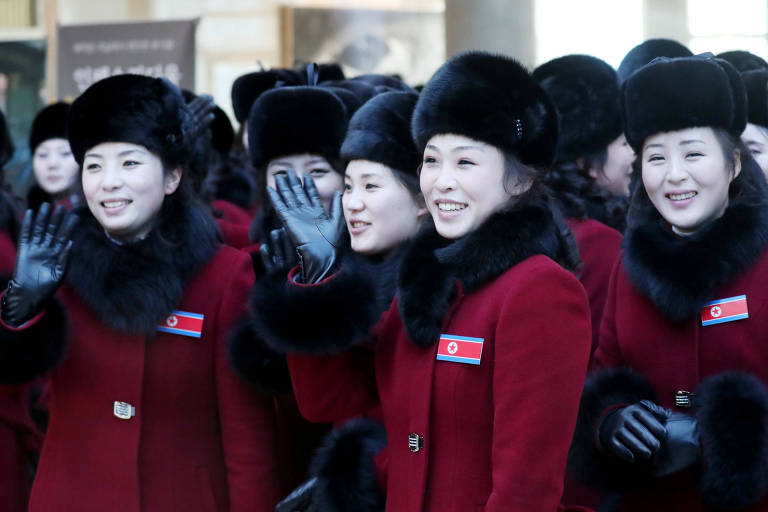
x=380, y=132
x=756, y=85
x=585, y=91
x=296, y=120
x=351, y=101
x=49, y=123
x=659, y=98
x=138, y=109
x=743, y=60
x=490, y=98
x=648, y=50
x=247, y=88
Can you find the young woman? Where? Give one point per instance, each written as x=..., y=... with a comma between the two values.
x=53, y=165
x=677, y=416
x=145, y=414
x=590, y=144
x=475, y=420
x=755, y=135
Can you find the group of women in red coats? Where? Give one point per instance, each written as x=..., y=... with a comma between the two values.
x=508, y=290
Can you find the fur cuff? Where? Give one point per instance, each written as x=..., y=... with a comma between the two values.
x=345, y=470
x=256, y=363
x=318, y=319
x=586, y=463
x=34, y=350
x=732, y=413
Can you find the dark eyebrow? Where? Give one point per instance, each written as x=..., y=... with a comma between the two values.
x=691, y=141
x=655, y=145
x=462, y=148
x=129, y=151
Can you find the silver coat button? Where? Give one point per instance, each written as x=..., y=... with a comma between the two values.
x=123, y=410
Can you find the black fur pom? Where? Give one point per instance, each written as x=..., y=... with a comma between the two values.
x=256, y=363
x=603, y=389
x=36, y=350
x=732, y=414
x=344, y=468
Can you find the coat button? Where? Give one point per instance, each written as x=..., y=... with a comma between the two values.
x=415, y=442
x=684, y=399
x=123, y=410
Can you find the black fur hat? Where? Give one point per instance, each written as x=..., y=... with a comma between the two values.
x=743, y=60
x=142, y=110
x=659, y=98
x=361, y=89
x=756, y=85
x=49, y=123
x=247, y=88
x=585, y=91
x=490, y=98
x=296, y=120
x=648, y=50
x=6, y=144
x=329, y=71
x=351, y=101
x=381, y=132
x=392, y=82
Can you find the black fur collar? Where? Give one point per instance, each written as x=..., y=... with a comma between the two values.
x=433, y=266
x=680, y=274
x=132, y=287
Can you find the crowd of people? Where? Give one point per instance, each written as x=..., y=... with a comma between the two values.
x=503, y=290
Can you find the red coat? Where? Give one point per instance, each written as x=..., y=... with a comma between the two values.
x=492, y=436
x=653, y=327
x=199, y=439
x=599, y=246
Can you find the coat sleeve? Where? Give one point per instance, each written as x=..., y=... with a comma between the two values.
x=542, y=346
x=608, y=354
x=247, y=417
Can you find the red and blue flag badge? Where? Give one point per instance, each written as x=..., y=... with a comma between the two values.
x=459, y=349
x=724, y=310
x=184, y=323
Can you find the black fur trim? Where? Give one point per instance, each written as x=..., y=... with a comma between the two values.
x=648, y=50
x=657, y=98
x=585, y=91
x=49, y=123
x=492, y=99
x=680, y=274
x=325, y=318
x=248, y=87
x=732, y=415
x=330, y=71
x=36, y=350
x=142, y=110
x=134, y=286
x=344, y=468
x=743, y=60
x=755, y=84
x=432, y=265
x=380, y=132
x=294, y=121
x=586, y=463
x=256, y=363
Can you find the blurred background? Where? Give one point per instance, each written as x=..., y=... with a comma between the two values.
x=52, y=49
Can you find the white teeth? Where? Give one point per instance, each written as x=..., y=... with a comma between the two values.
x=359, y=224
x=451, y=207
x=115, y=204
x=682, y=197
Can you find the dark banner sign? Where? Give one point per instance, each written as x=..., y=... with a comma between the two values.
x=88, y=53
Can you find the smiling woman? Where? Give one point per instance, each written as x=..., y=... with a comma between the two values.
x=140, y=258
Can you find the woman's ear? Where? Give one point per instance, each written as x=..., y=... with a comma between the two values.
x=172, y=180
x=736, y=163
x=419, y=200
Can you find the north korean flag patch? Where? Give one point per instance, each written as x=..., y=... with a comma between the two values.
x=724, y=310
x=460, y=349
x=184, y=323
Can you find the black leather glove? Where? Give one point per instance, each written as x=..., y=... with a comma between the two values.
x=41, y=260
x=300, y=500
x=315, y=234
x=201, y=110
x=278, y=253
x=633, y=432
x=680, y=448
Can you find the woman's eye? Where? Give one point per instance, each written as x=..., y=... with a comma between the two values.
x=694, y=154
x=347, y=187
x=130, y=163
x=429, y=160
x=756, y=151
x=279, y=172
x=464, y=161
x=370, y=186
x=42, y=155
x=92, y=167
x=655, y=158
x=66, y=154
x=318, y=172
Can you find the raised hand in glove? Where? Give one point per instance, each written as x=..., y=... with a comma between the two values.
x=633, y=432
x=315, y=234
x=277, y=253
x=41, y=260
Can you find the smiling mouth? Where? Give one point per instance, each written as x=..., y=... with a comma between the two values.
x=359, y=224
x=116, y=204
x=682, y=197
